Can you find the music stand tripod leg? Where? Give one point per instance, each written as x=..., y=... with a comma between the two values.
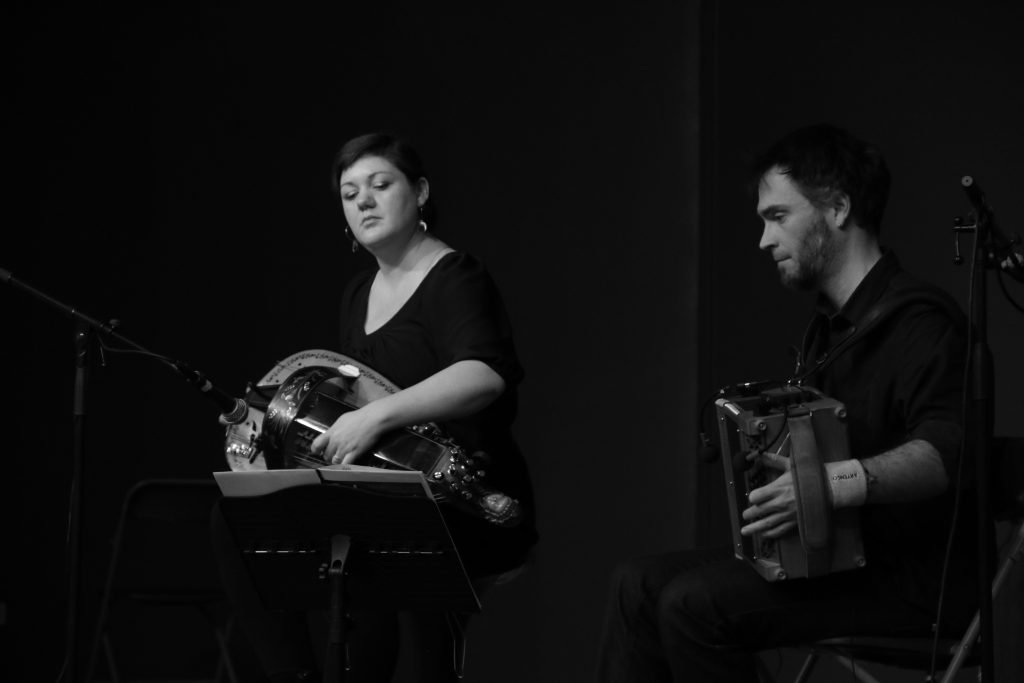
x=336, y=661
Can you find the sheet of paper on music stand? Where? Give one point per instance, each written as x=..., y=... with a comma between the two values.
x=261, y=482
x=361, y=473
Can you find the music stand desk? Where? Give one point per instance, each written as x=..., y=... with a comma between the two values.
x=344, y=539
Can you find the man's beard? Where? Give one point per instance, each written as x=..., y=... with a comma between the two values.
x=814, y=257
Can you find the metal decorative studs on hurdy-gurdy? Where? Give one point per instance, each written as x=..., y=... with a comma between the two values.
x=765, y=432
x=305, y=393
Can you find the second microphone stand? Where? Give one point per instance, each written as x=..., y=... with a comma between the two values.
x=979, y=417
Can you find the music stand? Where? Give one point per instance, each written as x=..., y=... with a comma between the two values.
x=344, y=539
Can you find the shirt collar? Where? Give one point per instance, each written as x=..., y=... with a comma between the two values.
x=864, y=296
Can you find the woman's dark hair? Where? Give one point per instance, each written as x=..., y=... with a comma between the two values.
x=386, y=146
x=823, y=160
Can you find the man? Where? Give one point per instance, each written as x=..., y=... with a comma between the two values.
x=892, y=350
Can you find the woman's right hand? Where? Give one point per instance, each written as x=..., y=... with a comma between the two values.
x=352, y=434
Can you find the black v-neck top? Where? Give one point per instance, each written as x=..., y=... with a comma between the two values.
x=455, y=314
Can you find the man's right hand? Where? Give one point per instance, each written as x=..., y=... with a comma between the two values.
x=772, y=510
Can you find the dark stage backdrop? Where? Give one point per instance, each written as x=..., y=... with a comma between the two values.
x=937, y=87
x=170, y=168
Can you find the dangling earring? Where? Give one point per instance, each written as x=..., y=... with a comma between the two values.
x=355, y=244
x=422, y=223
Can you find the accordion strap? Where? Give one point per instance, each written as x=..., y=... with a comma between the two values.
x=880, y=312
x=813, y=508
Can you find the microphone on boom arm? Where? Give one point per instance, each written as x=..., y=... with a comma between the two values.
x=233, y=410
x=1003, y=247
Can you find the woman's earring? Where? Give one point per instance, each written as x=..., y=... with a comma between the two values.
x=355, y=244
x=422, y=223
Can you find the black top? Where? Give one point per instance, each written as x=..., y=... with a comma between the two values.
x=455, y=314
x=902, y=379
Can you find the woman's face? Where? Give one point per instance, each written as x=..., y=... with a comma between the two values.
x=380, y=204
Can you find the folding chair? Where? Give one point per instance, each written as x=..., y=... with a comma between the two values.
x=915, y=652
x=162, y=557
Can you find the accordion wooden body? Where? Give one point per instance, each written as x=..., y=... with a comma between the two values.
x=765, y=432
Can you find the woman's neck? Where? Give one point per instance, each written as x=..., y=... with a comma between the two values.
x=419, y=252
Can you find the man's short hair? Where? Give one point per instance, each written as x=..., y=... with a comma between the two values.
x=822, y=161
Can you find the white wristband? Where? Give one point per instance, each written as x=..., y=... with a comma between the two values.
x=847, y=482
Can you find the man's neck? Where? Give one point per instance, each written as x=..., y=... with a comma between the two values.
x=861, y=253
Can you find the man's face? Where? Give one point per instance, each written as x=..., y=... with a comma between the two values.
x=796, y=234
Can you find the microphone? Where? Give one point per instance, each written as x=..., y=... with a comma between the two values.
x=233, y=410
x=976, y=196
x=1010, y=261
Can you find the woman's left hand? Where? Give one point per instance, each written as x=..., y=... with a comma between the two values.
x=351, y=435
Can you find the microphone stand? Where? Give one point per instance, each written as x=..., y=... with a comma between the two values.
x=83, y=335
x=234, y=411
x=979, y=420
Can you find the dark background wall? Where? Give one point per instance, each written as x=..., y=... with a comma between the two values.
x=171, y=171
x=173, y=166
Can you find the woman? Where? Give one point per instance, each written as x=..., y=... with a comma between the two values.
x=430, y=319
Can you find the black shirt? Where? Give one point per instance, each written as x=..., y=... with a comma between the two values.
x=455, y=314
x=894, y=355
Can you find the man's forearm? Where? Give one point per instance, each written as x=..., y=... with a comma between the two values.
x=909, y=472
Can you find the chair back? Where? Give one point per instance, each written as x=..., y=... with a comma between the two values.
x=163, y=557
x=162, y=545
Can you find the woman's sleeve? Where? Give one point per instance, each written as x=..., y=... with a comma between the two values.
x=469, y=321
